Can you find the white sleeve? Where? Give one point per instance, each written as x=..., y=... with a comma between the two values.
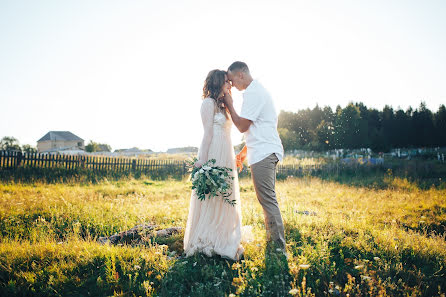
x=252, y=106
x=207, y=117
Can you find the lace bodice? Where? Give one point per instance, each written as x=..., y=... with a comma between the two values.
x=213, y=122
x=221, y=122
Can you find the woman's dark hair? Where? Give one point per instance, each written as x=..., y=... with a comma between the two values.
x=212, y=88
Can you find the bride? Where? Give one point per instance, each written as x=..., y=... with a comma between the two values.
x=214, y=226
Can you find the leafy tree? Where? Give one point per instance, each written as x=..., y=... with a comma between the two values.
x=324, y=135
x=29, y=149
x=288, y=139
x=440, y=126
x=423, y=126
x=92, y=147
x=357, y=126
x=401, y=137
x=104, y=147
x=375, y=135
x=9, y=143
x=388, y=127
x=348, y=127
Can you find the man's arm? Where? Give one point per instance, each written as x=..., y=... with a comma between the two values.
x=242, y=124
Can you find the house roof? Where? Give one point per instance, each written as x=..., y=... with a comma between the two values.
x=60, y=135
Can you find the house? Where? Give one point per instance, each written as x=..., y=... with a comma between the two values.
x=60, y=141
x=179, y=150
x=134, y=151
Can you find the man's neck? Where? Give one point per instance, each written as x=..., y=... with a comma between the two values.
x=248, y=82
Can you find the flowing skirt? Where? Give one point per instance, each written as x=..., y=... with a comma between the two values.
x=214, y=226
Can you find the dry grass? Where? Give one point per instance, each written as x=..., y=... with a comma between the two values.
x=341, y=240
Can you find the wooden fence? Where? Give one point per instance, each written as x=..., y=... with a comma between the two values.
x=12, y=160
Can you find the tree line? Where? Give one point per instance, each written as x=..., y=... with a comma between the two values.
x=357, y=126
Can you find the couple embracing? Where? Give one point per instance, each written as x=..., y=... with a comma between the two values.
x=213, y=226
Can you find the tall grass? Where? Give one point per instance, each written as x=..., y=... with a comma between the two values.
x=342, y=239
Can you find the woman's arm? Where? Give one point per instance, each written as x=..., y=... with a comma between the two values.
x=207, y=118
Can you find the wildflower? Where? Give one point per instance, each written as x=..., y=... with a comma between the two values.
x=304, y=266
x=195, y=263
x=236, y=266
x=376, y=258
x=359, y=266
x=365, y=277
x=293, y=292
x=137, y=267
x=231, y=295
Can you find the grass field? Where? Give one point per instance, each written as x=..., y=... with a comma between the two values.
x=341, y=239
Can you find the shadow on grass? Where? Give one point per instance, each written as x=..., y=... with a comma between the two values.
x=200, y=275
x=276, y=275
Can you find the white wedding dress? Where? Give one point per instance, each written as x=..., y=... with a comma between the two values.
x=214, y=226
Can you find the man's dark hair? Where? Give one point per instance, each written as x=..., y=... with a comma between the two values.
x=238, y=66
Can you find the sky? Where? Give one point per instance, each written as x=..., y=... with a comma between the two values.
x=131, y=73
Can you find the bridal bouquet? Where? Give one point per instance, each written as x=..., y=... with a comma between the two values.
x=212, y=181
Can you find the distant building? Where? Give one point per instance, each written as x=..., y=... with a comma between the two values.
x=134, y=151
x=55, y=141
x=178, y=150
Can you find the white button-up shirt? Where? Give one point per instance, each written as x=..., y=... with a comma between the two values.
x=262, y=138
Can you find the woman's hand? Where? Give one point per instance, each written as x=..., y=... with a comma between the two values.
x=199, y=163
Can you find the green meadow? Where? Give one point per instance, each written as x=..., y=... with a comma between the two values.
x=343, y=239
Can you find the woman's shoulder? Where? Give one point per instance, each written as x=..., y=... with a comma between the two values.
x=208, y=102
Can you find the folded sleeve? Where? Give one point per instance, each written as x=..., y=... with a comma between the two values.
x=207, y=118
x=252, y=105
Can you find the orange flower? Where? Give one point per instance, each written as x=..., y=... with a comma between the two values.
x=240, y=158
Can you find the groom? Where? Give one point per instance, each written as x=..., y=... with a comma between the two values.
x=258, y=120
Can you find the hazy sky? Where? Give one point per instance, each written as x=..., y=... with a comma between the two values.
x=130, y=73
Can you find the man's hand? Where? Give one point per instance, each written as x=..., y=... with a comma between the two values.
x=242, y=124
x=227, y=99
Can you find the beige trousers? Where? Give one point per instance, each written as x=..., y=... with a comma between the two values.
x=264, y=177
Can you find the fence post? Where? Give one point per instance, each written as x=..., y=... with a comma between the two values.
x=184, y=168
x=133, y=165
x=19, y=159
